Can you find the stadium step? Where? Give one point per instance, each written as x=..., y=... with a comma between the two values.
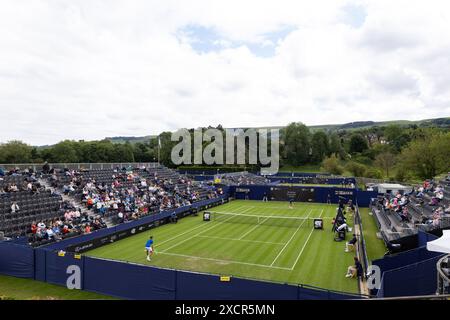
x=67, y=198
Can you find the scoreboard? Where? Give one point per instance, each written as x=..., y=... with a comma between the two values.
x=285, y=193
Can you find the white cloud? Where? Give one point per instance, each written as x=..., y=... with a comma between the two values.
x=90, y=69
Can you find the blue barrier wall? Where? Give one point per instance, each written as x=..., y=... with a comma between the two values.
x=16, y=260
x=364, y=197
x=404, y=258
x=129, y=281
x=412, y=280
x=425, y=237
x=139, y=282
x=204, y=287
x=311, y=180
x=56, y=267
x=256, y=192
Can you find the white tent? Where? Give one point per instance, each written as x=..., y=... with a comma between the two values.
x=393, y=187
x=442, y=244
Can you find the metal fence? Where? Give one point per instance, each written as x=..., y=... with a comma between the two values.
x=79, y=166
x=443, y=278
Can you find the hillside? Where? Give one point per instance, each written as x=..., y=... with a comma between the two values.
x=130, y=139
x=438, y=122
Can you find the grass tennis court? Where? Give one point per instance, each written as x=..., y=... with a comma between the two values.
x=243, y=246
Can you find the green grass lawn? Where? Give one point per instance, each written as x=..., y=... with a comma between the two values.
x=26, y=289
x=268, y=248
x=375, y=246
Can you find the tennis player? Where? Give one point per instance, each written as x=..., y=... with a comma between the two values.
x=149, y=248
x=291, y=203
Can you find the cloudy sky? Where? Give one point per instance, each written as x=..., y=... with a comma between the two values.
x=88, y=69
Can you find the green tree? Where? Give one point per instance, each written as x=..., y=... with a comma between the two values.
x=396, y=136
x=356, y=169
x=320, y=146
x=15, y=152
x=65, y=152
x=385, y=161
x=123, y=152
x=166, y=148
x=335, y=144
x=357, y=143
x=373, y=173
x=331, y=165
x=296, y=137
x=429, y=156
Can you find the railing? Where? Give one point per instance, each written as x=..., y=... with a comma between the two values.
x=361, y=240
x=443, y=278
x=78, y=166
x=429, y=297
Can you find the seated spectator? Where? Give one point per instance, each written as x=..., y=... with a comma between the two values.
x=434, y=202
x=46, y=168
x=447, y=210
x=405, y=214
x=355, y=270
x=351, y=244
x=15, y=207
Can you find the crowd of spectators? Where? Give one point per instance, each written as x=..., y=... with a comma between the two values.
x=243, y=178
x=66, y=221
x=131, y=194
x=72, y=223
x=398, y=204
x=429, y=195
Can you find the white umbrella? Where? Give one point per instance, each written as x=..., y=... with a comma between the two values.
x=442, y=244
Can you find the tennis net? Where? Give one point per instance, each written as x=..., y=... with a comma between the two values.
x=281, y=221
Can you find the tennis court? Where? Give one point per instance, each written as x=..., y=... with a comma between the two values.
x=249, y=239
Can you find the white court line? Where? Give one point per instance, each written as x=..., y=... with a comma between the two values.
x=225, y=261
x=201, y=232
x=304, y=246
x=287, y=243
x=234, y=239
x=177, y=236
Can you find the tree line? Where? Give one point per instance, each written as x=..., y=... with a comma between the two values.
x=395, y=152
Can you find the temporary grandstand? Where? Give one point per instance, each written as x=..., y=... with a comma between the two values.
x=400, y=223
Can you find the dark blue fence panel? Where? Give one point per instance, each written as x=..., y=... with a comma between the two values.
x=404, y=258
x=256, y=192
x=128, y=281
x=321, y=194
x=56, y=267
x=412, y=280
x=252, y=192
x=203, y=177
x=40, y=261
x=425, y=237
x=194, y=286
x=301, y=174
x=308, y=293
x=364, y=197
x=16, y=260
x=311, y=180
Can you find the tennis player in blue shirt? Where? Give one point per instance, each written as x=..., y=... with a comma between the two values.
x=149, y=248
